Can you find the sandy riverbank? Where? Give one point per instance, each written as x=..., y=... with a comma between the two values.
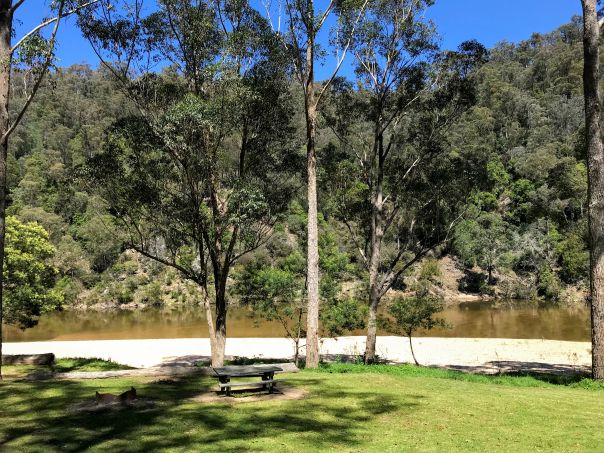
x=455, y=352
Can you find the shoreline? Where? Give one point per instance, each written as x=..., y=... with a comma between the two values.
x=471, y=354
x=107, y=307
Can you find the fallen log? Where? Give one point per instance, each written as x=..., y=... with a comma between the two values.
x=29, y=359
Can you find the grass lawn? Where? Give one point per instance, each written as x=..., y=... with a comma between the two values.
x=348, y=408
x=63, y=366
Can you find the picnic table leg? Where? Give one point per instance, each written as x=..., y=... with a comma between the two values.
x=265, y=377
x=225, y=380
x=268, y=377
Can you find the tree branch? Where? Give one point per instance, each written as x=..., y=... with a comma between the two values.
x=39, y=81
x=325, y=14
x=186, y=273
x=263, y=238
x=49, y=21
x=390, y=279
x=356, y=243
x=297, y=49
x=17, y=5
x=344, y=52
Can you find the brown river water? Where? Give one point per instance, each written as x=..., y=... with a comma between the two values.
x=467, y=320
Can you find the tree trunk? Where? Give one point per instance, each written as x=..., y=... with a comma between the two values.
x=6, y=19
x=296, y=351
x=377, y=234
x=595, y=163
x=371, y=339
x=297, y=341
x=219, y=342
x=312, y=329
x=412, y=351
x=312, y=314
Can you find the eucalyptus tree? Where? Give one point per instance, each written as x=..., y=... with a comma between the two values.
x=400, y=192
x=33, y=54
x=199, y=177
x=304, y=25
x=595, y=165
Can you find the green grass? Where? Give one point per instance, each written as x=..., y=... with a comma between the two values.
x=63, y=366
x=515, y=379
x=348, y=408
x=81, y=364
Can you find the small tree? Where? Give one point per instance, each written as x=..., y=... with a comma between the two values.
x=275, y=291
x=482, y=241
x=273, y=283
x=416, y=312
x=29, y=279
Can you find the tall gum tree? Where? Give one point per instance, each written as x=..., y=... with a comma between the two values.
x=34, y=53
x=200, y=176
x=595, y=164
x=304, y=26
x=401, y=202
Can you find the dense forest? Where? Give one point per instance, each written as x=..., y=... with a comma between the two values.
x=517, y=151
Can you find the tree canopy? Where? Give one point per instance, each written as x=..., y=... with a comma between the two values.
x=29, y=277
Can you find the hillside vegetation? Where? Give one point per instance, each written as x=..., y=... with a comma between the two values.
x=522, y=235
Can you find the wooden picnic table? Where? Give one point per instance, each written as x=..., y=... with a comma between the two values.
x=266, y=372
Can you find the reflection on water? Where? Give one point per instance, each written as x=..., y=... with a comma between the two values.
x=470, y=319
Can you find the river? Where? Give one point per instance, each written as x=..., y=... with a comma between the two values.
x=467, y=320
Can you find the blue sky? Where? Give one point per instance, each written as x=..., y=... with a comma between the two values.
x=488, y=21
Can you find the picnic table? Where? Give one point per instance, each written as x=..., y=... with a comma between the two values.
x=266, y=372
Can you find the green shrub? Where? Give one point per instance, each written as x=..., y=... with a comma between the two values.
x=574, y=258
x=549, y=285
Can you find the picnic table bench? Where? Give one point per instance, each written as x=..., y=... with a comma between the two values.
x=266, y=372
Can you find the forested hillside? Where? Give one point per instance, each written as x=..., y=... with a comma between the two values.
x=527, y=213
x=516, y=157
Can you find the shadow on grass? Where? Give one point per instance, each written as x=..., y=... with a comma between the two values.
x=519, y=374
x=41, y=419
x=557, y=374
x=41, y=372
x=555, y=379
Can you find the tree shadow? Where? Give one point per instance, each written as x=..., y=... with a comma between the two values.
x=472, y=282
x=322, y=419
x=560, y=374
